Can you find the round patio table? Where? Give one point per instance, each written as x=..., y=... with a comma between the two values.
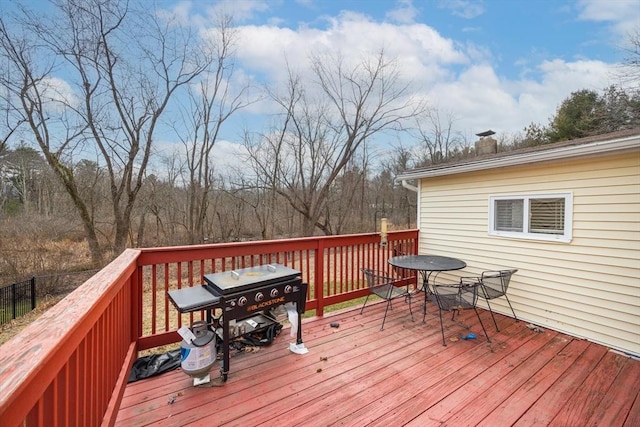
x=427, y=266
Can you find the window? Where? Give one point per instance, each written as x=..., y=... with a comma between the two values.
x=534, y=216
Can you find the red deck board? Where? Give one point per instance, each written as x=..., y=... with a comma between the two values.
x=511, y=409
x=583, y=403
x=633, y=418
x=311, y=384
x=307, y=391
x=374, y=380
x=615, y=405
x=358, y=375
x=422, y=390
x=552, y=401
x=266, y=377
x=474, y=399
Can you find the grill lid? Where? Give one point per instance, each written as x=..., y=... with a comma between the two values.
x=230, y=282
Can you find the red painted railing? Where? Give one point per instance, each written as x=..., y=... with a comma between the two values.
x=71, y=366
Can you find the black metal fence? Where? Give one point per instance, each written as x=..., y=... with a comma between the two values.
x=17, y=299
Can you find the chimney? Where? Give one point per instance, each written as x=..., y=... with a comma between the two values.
x=486, y=144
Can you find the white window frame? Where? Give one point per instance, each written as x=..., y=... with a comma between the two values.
x=525, y=234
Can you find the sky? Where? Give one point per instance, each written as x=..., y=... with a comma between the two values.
x=488, y=64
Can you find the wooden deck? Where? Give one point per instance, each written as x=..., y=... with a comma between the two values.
x=358, y=375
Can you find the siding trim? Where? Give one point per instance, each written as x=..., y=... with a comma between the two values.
x=522, y=157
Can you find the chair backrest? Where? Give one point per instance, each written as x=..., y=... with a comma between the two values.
x=379, y=283
x=497, y=281
x=455, y=296
x=375, y=279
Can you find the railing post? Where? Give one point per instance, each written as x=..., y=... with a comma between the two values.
x=136, y=303
x=318, y=281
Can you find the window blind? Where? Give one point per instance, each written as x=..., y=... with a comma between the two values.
x=509, y=215
x=546, y=215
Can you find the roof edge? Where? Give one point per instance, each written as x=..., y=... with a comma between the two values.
x=565, y=150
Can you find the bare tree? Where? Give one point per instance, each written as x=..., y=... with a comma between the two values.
x=629, y=73
x=340, y=212
x=261, y=201
x=109, y=80
x=437, y=137
x=30, y=95
x=269, y=157
x=213, y=101
x=320, y=132
x=404, y=201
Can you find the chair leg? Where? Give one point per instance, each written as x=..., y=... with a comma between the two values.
x=424, y=308
x=509, y=302
x=444, y=343
x=492, y=316
x=365, y=303
x=385, y=314
x=408, y=297
x=482, y=324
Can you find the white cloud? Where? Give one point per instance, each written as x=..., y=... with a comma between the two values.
x=624, y=15
x=467, y=9
x=181, y=12
x=537, y=100
x=579, y=74
x=462, y=80
x=241, y=10
x=232, y=157
x=477, y=99
x=405, y=13
x=57, y=94
x=421, y=51
x=480, y=100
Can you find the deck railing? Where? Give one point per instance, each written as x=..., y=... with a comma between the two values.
x=71, y=366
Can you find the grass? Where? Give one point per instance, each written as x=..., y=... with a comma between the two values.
x=10, y=329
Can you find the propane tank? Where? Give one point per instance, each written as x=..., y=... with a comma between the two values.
x=198, y=357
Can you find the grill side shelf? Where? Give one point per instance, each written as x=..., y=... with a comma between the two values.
x=195, y=298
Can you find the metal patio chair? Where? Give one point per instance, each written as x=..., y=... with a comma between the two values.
x=383, y=286
x=493, y=284
x=455, y=297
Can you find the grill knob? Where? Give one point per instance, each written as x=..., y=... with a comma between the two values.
x=288, y=289
x=274, y=293
x=259, y=297
x=242, y=301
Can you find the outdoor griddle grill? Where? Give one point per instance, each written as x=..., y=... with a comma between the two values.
x=242, y=294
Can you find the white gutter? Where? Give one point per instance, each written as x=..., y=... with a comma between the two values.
x=630, y=143
x=408, y=186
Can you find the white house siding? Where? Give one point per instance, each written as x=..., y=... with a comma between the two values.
x=589, y=287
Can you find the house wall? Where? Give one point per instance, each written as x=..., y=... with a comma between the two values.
x=589, y=287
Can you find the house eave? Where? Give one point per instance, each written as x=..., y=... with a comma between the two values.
x=561, y=153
